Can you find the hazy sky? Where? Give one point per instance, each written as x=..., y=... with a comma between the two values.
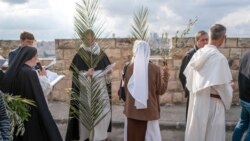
x=53, y=19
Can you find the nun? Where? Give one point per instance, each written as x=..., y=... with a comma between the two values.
x=22, y=79
x=144, y=83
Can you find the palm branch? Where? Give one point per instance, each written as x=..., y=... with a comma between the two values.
x=140, y=24
x=88, y=101
x=166, y=53
x=86, y=17
x=18, y=112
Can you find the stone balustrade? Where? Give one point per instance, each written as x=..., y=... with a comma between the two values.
x=119, y=50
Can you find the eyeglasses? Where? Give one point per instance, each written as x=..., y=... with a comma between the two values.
x=203, y=40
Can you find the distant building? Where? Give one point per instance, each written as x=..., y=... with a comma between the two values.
x=46, y=49
x=157, y=44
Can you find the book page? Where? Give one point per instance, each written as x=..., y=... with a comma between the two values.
x=109, y=68
x=54, y=77
x=50, y=64
x=2, y=61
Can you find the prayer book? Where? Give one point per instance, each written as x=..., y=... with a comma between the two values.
x=53, y=77
x=50, y=64
x=109, y=68
x=2, y=62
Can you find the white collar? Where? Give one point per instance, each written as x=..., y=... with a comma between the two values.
x=94, y=49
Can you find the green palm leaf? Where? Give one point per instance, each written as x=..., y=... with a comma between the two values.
x=86, y=18
x=140, y=25
x=88, y=101
x=18, y=112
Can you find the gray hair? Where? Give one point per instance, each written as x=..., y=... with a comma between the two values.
x=217, y=31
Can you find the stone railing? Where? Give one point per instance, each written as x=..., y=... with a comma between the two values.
x=120, y=50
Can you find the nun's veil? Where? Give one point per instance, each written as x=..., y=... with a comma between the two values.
x=26, y=53
x=245, y=65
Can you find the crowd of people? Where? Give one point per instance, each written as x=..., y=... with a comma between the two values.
x=204, y=74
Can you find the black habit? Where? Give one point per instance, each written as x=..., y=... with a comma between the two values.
x=79, y=63
x=24, y=81
x=182, y=77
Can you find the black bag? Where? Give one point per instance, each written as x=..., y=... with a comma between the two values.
x=121, y=91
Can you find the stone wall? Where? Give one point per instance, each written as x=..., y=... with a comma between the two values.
x=119, y=51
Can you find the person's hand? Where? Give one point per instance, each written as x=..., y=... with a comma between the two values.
x=42, y=72
x=90, y=72
x=110, y=71
x=165, y=71
x=233, y=85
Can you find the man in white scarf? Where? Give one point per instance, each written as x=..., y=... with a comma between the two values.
x=209, y=82
x=143, y=86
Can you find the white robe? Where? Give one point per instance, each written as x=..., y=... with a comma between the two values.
x=207, y=70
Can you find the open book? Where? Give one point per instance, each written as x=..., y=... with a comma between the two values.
x=50, y=64
x=53, y=77
x=109, y=68
x=2, y=62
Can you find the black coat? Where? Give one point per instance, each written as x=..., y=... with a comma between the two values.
x=78, y=62
x=184, y=64
x=244, y=87
x=40, y=125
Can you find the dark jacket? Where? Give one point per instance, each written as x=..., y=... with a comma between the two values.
x=184, y=64
x=244, y=87
x=12, y=54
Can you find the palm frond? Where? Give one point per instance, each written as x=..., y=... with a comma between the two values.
x=86, y=18
x=140, y=25
x=88, y=101
x=90, y=59
x=18, y=112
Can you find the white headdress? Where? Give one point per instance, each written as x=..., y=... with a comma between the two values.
x=138, y=83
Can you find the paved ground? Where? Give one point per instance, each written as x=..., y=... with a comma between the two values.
x=172, y=120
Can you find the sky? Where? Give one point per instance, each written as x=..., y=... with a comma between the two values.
x=54, y=19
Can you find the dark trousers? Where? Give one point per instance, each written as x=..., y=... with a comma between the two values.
x=136, y=130
x=187, y=107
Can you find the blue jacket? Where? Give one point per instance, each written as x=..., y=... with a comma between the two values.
x=4, y=122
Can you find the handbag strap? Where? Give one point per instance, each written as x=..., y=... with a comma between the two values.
x=124, y=70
